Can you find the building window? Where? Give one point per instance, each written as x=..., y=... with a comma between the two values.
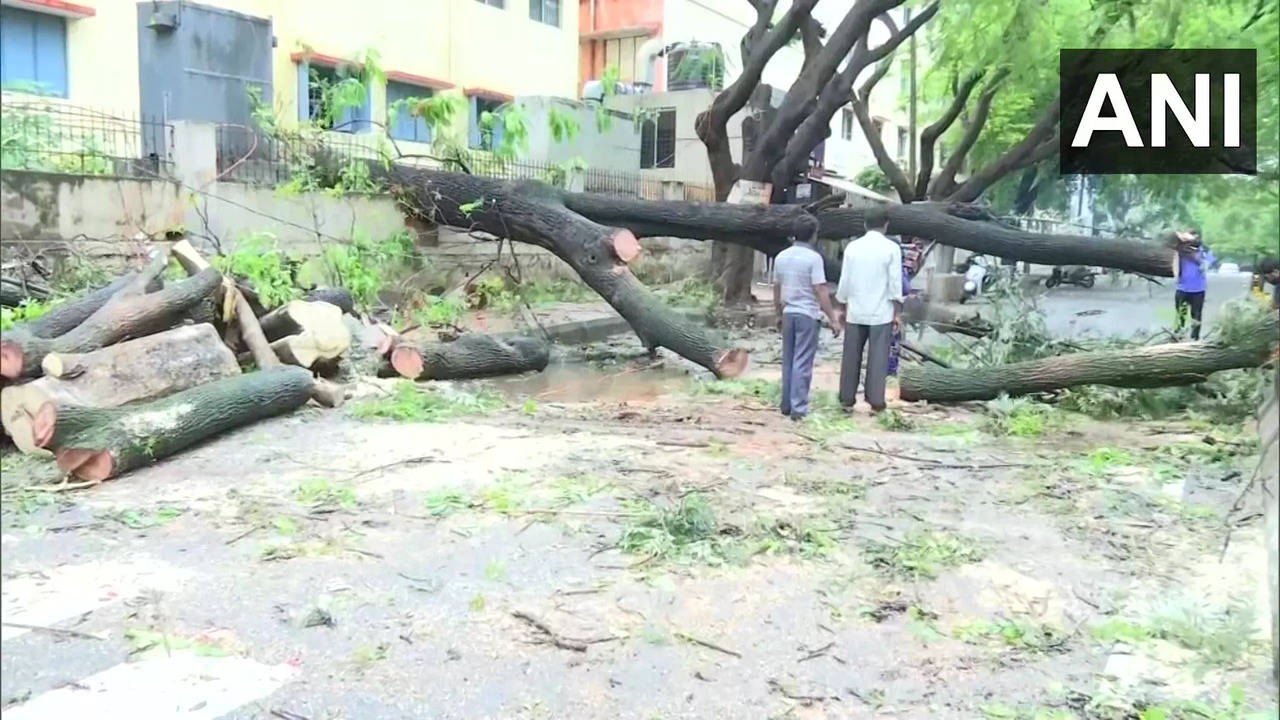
x=33, y=51
x=545, y=11
x=658, y=140
x=846, y=123
x=401, y=123
x=478, y=137
x=493, y=3
x=904, y=144
x=320, y=87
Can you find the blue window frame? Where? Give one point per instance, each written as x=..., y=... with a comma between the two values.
x=311, y=82
x=33, y=50
x=401, y=125
x=476, y=138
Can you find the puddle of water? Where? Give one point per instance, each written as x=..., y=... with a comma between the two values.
x=576, y=382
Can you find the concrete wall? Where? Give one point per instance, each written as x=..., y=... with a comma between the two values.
x=110, y=218
x=616, y=147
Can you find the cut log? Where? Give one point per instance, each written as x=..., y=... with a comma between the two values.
x=333, y=296
x=143, y=369
x=94, y=444
x=535, y=213
x=13, y=291
x=367, y=355
x=470, y=356
x=66, y=316
x=129, y=313
x=1153, y=366
x=317, y=331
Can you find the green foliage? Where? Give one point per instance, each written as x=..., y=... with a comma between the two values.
x=1018, y=633
x=895, y=420
x=436, y=311
x=560, y=173
x=445, y=502
x=31, y=139
x=28, y=310
x=514, y=123
x=1018, y=417
x=920, y=555
x=325, y=493
x=701, y=64
x=770, y=392
x=409, y=403
x=609, y=82
x=693, y=292
x=1220, y=638
x=361, y=265
x=258, y=259
x=1228, y=397
x=872, y=177
x=564, y=126
x=688, y=530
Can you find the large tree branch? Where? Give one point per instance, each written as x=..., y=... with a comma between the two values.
x=811, y=34
x=815, y=128
x=946, y=179
x=735, y=97
x=1036, y=144
x=800, y=100
x=929, y=136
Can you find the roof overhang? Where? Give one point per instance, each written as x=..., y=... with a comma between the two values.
x=62, y=8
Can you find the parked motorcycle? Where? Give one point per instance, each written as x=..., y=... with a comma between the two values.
x=978, y=275
x=1078, y=275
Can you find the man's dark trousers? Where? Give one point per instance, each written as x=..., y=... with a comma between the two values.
x=1193, y=302
x=876, y=340
x=799, y=347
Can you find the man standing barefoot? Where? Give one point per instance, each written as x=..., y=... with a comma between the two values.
x=871, y=293
x=800, y=298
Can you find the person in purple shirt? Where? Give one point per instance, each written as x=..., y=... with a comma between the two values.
x=1190, y=268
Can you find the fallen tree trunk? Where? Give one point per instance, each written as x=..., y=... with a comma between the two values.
x=470, y=356
x=95, y=444
x=68, y=315
x=535, y=213
x=13, y=291
x=131, y=312
x=334, y=296
x=143, y=369
x=1153, y=366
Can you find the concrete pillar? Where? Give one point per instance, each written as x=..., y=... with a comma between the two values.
x=195, y=153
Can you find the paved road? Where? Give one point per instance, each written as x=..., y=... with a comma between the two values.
x=1129, y=306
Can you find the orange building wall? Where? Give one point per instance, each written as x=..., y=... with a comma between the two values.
x=611, y=18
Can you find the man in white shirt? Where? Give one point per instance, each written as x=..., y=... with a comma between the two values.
x=870, y=293
x=800, y=299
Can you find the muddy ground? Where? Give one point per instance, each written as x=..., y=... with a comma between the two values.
x=630, y=542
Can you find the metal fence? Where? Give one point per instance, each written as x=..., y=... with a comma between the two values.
x=50, y=136
x=245, y=154
x=248, y=155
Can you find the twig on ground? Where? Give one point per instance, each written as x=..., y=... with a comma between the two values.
x=584, y=513
x=1237, y=504
x=53, y=630
x=420, y=459
x=782, y=690
x=930, y=461
x=817, y=653
x=707, y=644
x=556, y=638
x=243, y=535
x=287, y=715
x=684, y=443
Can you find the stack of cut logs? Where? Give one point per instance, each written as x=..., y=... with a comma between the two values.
x=139, y=369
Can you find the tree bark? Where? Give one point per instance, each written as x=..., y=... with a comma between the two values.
x=143, y=369
x=129, y=313
x=68, y=315
x=334, y=296
x=95, y=444
x=367, y=355
x=534, y=213
x=1154, y=366
x=470, y=356
x=13, y=291
x=766, y=228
